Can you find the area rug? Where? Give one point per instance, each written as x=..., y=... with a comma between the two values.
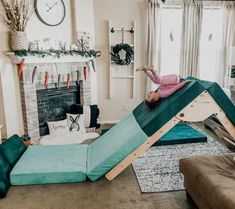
x=157, y=170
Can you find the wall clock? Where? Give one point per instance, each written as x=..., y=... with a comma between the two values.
x=50, y=12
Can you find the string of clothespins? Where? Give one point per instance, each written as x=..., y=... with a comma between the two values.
x=70, y=76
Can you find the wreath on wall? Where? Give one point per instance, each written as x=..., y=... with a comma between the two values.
x=129, y=54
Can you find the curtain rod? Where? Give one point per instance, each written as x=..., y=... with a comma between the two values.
x=180, y=7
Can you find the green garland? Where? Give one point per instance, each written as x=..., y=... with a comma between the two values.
x=58, y=53
x=115, y=56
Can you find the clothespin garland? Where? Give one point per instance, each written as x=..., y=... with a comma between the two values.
x=88, y=66
x=93, y=64
x=34, y=74
x=58, y=81
x=85, y=72
x=46, y=80
x=21, y=67
x=68, y=81
x=49, y=76
x=78, y=77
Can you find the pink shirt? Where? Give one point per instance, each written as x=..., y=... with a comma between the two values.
x=167, y=84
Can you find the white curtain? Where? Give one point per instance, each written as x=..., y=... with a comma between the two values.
x=190, y=40
x=227, y=39
x=154, y=27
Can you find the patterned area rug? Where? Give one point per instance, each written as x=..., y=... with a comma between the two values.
x=157, y=170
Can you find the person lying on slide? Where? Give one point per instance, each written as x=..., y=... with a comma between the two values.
x=168, y=85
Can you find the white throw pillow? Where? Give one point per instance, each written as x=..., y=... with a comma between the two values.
x=76, y=122
x=58, y=127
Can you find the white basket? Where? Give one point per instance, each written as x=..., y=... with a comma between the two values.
x=18, y=41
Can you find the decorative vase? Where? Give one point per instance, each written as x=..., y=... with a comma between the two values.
x=18, y=41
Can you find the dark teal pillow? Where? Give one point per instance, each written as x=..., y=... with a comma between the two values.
x=12, y=149
x=4, y=176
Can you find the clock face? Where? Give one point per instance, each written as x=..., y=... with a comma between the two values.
x=50, y=12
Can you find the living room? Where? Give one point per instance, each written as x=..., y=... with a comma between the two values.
x=117, y=104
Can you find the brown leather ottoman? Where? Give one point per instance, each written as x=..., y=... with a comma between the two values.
x=210, y=180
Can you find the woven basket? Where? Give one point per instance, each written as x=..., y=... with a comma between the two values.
x=18, y=41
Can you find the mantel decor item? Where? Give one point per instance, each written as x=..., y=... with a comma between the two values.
x=16, y=14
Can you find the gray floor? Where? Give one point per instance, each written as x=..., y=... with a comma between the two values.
x=122, y=193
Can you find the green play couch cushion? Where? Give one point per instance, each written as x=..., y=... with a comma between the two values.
x=219, y=96
x=181, y=134
x=151, y=120
x=51, y=164
x=112, y=147
x=4, y=176
x=12, y=149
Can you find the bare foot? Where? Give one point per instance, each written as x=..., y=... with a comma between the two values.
x=141, y=68
x=144, y=68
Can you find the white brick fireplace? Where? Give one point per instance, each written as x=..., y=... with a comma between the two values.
x=54, y=67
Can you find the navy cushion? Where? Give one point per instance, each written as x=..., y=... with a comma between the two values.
x=94, y=113
x=4, y=176
x=12, y=149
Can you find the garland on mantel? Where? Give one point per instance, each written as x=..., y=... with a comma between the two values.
x=58, y=53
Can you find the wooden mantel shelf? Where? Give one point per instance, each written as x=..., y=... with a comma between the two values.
x=48, y=59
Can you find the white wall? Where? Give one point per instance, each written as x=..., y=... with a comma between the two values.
x=10, y=103
x=9, y=85
x=92, y=16
x=119, y=13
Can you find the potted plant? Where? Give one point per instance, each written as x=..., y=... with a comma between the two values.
x=16, y=14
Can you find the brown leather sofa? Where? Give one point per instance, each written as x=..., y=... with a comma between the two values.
x=210, y=180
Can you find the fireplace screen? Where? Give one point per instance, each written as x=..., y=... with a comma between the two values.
x=53, y=104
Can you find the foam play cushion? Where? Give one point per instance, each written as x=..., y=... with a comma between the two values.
x=180, y=134
x=151, y=120
x=51, y=164
x=12, y=149
x=4, y=176
x=112, y=147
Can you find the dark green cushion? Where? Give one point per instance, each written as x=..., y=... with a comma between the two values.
x=181, y=134
x=12, y=149
x=220, y=97
x=4, y=176
x=151, y=120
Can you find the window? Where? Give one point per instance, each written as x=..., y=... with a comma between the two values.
x=171, y=26
x=210, y=36
x=171, y=21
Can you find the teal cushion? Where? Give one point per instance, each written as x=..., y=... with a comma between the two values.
x=4, y=176
x=112, y=147
x=51, y=164
x=12, y=149
x=219, y=96
x=151, y=120
x=181, y=134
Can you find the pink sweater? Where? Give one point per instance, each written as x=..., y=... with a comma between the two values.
x=168, y=84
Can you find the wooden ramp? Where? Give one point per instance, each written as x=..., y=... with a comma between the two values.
x=201, y=108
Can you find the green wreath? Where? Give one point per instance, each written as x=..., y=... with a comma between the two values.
x=115, y=56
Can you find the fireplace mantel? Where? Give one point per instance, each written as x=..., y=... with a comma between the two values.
x=48, y=59
x=64, y=65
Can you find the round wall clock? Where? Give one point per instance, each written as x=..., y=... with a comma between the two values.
x=50, y=12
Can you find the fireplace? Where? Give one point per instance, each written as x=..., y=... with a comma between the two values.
x=54, y=103
x=40, y=105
